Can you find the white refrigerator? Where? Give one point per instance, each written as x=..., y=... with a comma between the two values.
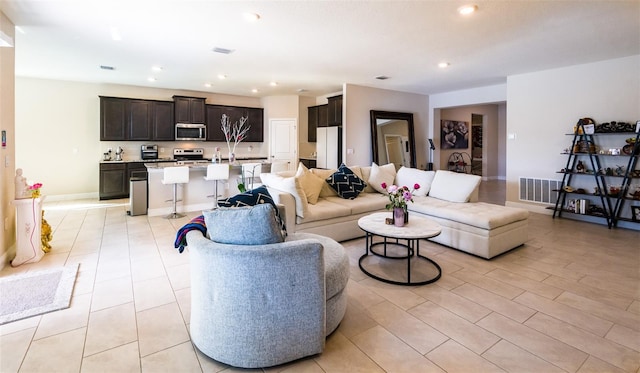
x=329, y=147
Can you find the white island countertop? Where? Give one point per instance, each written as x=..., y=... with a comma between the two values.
x=197, y=194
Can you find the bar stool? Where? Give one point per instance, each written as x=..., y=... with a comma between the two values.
x=217, y=172
x=175, y=176
x=279, y=166
x=250, y=172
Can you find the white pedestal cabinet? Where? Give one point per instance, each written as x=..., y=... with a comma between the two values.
x=28, y=231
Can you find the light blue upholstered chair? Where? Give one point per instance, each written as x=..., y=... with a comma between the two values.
x=263, y=305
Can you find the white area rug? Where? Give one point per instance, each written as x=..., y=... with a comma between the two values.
x=34, y=293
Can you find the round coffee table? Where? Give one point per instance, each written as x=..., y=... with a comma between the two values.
x=393, y=250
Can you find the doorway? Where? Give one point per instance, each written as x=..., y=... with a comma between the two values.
x=283, y=141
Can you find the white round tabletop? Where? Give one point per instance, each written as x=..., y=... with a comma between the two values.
x=417, y=228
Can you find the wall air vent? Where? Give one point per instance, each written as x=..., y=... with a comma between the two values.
x=223, y=50
x=105, y=67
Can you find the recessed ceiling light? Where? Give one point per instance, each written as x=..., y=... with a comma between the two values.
x=273, y=84
x=222, y=77
x=465, y=10
x=251, y=17
x=208, y=85
x=300, y=90
x=443, y=65
x=223, y=50
x=105, y=67
x=254, y=91
x=151, y=79
x=382, y=77
x=156, y=68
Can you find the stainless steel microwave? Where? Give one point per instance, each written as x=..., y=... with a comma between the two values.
x=191, y=132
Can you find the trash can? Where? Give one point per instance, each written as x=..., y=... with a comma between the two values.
x=138, y=194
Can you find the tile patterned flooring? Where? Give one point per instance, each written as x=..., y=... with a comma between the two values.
x=566, y=301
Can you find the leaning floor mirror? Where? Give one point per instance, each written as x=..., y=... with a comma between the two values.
x=392, y=138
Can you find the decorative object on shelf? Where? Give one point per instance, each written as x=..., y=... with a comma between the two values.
x=35, y=190
x=580, y=167
x=235, y=132
x=398, y=198
x=613, y=126
x=635, y=213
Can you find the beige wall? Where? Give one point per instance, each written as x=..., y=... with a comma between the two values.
x=7, y=154
x=544, y=106
x=359, y=100
x=58, y=131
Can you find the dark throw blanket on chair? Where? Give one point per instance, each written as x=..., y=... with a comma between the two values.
x=181, y=236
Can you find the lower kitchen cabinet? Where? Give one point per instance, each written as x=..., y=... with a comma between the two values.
x=114, y=181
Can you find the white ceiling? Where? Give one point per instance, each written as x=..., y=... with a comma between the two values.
x=314, y=45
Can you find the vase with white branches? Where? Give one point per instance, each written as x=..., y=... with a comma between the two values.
x=235, y=133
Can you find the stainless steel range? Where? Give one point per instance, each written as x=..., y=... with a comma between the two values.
x=189, y=156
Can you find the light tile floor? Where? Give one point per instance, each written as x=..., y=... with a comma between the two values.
x=568, y=300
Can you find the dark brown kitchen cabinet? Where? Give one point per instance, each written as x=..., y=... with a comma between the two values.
x=163, y=121
x=113, y=118
x=317, y=117
x=140, y=115
x=114, y=181
x=189, y=109
x=129, y=119
x=334, y=111
x=255, y=121
x=312, y=123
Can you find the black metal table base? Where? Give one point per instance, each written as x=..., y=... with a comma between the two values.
x=413, y=253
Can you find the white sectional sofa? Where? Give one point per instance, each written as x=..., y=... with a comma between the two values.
x=449, y=198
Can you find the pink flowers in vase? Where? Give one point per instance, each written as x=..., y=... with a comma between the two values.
x=35, y=190
x=399, y=196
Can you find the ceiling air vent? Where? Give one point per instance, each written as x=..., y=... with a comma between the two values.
x=223, y=50
x=382, y=77
x=105, y=67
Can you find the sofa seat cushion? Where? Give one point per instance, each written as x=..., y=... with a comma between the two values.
x=477, y=214
x=336, y=262
x=324, y=210
x=366, y=202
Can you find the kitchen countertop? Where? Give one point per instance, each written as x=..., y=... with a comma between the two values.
x=161, y=160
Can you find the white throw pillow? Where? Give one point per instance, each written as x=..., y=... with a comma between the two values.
x=381, y=174
x=410, y=176
x=453, y=186
x=287, y=184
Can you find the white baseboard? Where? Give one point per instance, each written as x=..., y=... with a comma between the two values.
x=67, y=197
x=540, y=209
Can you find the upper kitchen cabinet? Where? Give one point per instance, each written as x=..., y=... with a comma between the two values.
x=335, y=111
x=163, y=121
x=123, y=119
x=140, y=117
x=189, y=109
x=113, y=118
x=255, y=121
x=317, y=117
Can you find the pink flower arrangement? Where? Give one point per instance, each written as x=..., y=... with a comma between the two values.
x=35, y=190
x=399, y=196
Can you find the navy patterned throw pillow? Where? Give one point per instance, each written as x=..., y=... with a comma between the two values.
x=251, y=198
x=347, y=184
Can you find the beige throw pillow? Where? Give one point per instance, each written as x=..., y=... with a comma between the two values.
x=310, y=184
x=326, y=191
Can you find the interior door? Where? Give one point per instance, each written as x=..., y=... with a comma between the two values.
x=283, y=141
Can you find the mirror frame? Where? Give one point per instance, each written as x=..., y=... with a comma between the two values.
x=378, y=114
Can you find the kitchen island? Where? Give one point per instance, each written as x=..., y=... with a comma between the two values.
x=197, y=194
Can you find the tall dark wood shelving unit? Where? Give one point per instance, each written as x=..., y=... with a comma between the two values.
x=583, y=147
